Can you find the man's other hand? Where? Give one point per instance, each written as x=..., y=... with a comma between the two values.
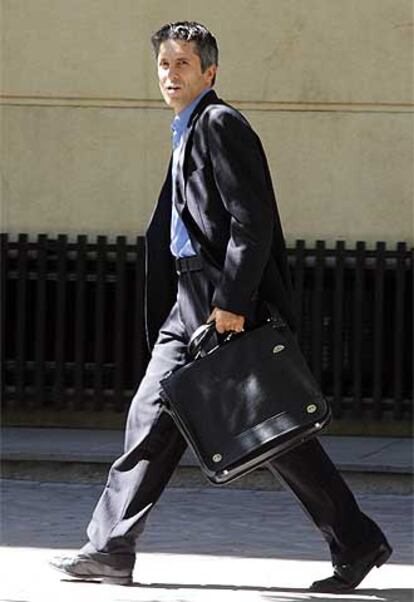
x=226, y=321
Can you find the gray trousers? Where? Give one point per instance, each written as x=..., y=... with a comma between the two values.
x=154, y=446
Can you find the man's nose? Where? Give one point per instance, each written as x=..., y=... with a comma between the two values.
x=171, y=72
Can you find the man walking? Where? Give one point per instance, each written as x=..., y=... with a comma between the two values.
x=214, y=249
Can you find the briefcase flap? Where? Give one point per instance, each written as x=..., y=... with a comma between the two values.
x=254, y=391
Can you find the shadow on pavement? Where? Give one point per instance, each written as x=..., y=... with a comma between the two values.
x=294, y=594
x=390, y=595
x=361, y=595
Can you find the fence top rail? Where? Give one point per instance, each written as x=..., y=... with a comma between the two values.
x=320, y=254
x=114, y=241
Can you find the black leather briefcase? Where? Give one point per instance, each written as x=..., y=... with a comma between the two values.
x=246, y=401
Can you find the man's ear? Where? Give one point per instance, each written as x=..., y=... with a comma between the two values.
x=211, y=73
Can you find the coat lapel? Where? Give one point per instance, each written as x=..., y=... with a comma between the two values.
x=185, y=148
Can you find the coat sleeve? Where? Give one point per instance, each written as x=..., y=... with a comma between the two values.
x=239, y=175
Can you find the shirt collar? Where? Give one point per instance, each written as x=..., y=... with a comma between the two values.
x=181, y=120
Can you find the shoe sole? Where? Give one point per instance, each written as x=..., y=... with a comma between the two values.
x=117, y=580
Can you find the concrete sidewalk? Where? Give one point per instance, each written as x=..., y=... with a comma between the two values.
x=83, y=455
x=200, y=545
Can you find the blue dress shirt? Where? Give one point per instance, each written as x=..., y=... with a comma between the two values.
x=180, y=245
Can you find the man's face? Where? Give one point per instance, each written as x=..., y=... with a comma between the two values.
x=180, y=76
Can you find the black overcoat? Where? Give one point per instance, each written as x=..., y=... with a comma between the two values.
x=225, y=197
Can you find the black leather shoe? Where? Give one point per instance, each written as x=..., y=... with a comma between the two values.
x=348, y=576
x=84, y=567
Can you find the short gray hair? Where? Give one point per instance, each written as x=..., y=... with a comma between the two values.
x=189, y=31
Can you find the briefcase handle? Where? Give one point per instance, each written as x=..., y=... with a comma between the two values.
x=199, y=337
x=204, y=332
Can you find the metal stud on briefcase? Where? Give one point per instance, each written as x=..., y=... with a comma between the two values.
x=246, y=401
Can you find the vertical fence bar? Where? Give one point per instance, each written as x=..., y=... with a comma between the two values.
x=81, y=252
x=139, y=337
x=378, y=328
x=338, y=328
x=299, y=280
x=4, y=271
x=399, y=328
x=40, y=320
x=59, y=395
x=119, y=320
x=358, y=325
x=317, y=317
x=22, y=250
x=99, y=322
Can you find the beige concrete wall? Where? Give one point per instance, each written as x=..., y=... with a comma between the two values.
x=326, y=83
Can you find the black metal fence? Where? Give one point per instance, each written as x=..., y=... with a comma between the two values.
x=72, y=323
